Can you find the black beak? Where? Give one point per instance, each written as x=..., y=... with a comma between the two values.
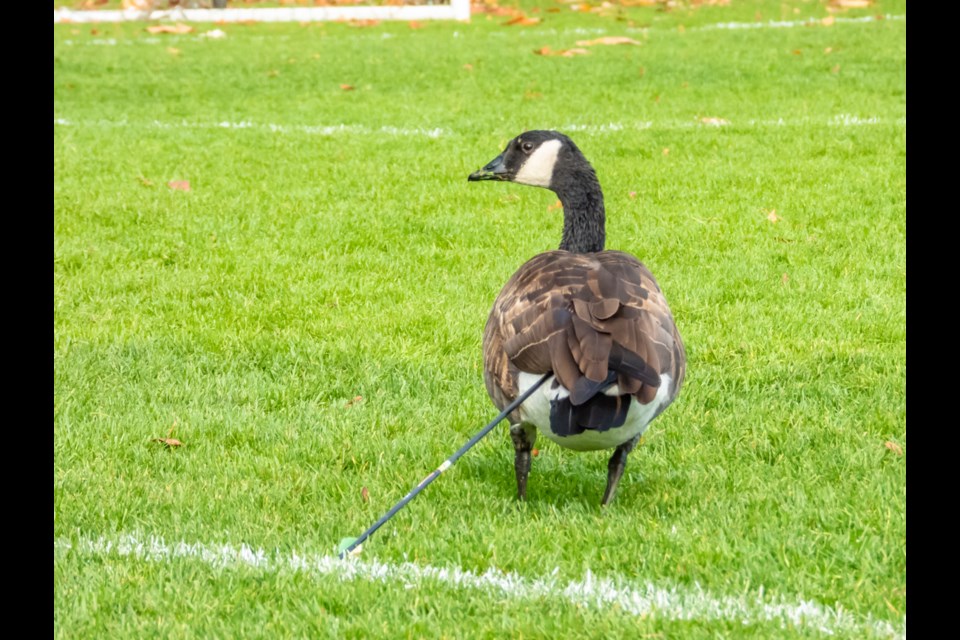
x=495, y=170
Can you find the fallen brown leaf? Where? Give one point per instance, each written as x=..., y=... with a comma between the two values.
x=523, y=21
x=170, y=28
x=170, y=442
x=632, y=195
x=565, y=53
x=179, y=185
x=495, y=10
x=363, y=23
x=828, y=21
x=797, y=52
x=413, y=24
x=772, y=216
x=851, y=4
x=835, y=69
x=784, y=279
x=894, y=447
x=365, y=494
x=556, y=205
x=353, y=401
x=535, y=452
x=611, y=40
x=666, y=151
x=347, y=87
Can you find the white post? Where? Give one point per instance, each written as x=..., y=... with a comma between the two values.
x=461, y=10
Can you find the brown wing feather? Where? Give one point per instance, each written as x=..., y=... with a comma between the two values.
x=564, y=312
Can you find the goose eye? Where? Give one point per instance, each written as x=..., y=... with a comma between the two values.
x=527, y=147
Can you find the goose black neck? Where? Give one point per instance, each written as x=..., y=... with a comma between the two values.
x=584, y=218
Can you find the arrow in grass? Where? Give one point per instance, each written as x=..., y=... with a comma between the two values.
x=349, y=546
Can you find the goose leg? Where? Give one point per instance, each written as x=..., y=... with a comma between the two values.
x=523, y=436
x=618, y=462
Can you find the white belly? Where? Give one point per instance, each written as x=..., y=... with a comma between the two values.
x=536, y=411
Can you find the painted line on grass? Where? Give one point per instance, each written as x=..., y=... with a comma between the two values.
x=645, y=599
x=321, y=130
x=791, y=24
x=840, y=120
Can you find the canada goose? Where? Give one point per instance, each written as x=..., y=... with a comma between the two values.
x=596, y=319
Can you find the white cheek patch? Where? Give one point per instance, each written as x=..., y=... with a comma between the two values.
x=537, y=171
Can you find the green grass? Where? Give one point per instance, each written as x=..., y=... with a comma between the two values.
x=305, y=268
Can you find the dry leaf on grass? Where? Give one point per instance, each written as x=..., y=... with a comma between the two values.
x=523, y=21
x=353, y=401
x=170, y=28
x=179, y=185
x=611, y=40
x=828, y=21
x=556, y=205
x=714, y=122
x=784, y=279
x=894, y=447
x=363, y=23
x=565, y=53
x=772, y=216
x=170, y=442
x=413, y=24
x=347, y=87
x=851, y=4
x=365, y=494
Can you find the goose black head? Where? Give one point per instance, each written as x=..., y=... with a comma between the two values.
x=536, y=158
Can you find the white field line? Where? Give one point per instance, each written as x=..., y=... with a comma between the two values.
x=321, y=130
x=841, y=120
x=455, y=10
x=646, y=599
x=790, y=24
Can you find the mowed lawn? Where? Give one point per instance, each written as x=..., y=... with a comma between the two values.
x=306, y=320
